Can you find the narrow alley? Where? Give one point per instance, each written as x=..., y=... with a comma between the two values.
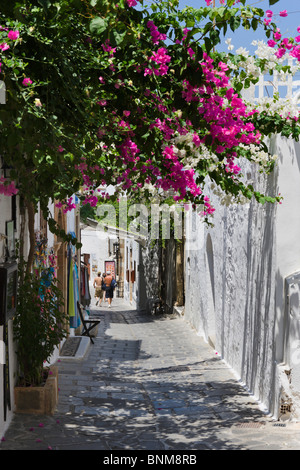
x=149, y=383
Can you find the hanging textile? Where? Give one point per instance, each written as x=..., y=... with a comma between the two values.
x=75, y=319
x=86, y=300
x=73, y=288
x=82, y=282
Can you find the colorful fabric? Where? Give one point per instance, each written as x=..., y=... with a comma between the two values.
x=71, y=306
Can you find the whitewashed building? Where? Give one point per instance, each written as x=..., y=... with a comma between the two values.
x=114, y=248
x=242, y=284
x=98, y=250
x=10, y=227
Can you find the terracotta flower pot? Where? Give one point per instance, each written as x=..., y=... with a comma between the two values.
x=38, y=400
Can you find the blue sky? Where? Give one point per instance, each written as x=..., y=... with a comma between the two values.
x=241, y=37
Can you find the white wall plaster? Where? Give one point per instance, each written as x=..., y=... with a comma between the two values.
x=235, y=282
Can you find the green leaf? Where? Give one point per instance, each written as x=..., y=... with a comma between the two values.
x=98, y=25
x=234, y=23
x=254, y=24
x=272, y=2
x=118, y=38
x=208, y=44
x=190, y=23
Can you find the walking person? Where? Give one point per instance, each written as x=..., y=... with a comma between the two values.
x=98, y=288
x=109, y=292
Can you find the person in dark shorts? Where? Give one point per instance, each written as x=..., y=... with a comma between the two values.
x=109, y=292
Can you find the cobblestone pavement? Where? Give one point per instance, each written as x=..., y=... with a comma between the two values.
x=149, y=383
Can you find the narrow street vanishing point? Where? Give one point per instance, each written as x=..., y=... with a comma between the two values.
x=149, y=383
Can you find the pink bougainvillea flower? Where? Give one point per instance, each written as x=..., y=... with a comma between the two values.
x=13, y=35
x=27, y=81
x=108, y=48
x=280, y=53
x=156, y=36
x=60, y=148
x=269, y=13
x=287, y=44
x=271, y=43
x=277, y=35
x=69, y=205
x=160, y=57
x=148, y=72
x=131, y=3
x=4, y=46
x=196, y=140
x=191, y=52
x=283, y=13
x=7, y=188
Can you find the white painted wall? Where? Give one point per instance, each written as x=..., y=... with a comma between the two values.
x=287, y=327
x=236, y=274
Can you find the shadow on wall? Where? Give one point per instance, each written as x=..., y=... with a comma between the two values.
x=258, y=366
x=240, y=274
x=210, y=283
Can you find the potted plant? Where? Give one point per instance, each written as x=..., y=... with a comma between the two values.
x=39, y=326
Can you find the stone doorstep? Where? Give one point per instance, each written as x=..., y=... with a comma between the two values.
x=81, y=350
